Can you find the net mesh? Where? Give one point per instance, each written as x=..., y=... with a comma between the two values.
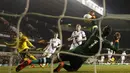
x=105, y=16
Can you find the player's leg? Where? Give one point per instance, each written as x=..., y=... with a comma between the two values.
x=48, y=55
x=22, y=65
x=22, y=57
x=65, y=66
x=30, y=56
x=29, y=62
x=109, y=59
x=61, y=58
x=59, y=67
x=122, y=60
x=73, y=46
x=41, y=61
x=75, y=63
x=44, y=55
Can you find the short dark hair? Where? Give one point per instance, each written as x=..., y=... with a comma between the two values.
x=91, y=12
x=106, y=31
x=117, y=35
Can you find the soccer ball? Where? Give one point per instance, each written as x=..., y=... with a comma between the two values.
x=87, y=16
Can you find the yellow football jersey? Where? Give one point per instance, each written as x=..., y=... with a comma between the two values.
x=24, y=43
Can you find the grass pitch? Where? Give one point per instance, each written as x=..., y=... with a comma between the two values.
x=83, y=69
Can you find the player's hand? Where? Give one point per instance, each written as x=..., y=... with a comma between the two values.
x=39, y=49
x=79, y=40
x=76, y=36
x=32, y=47
x=42, y=41
x=111, y=43
x=69, y=39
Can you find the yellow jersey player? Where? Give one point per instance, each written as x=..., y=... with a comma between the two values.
x=24, y=46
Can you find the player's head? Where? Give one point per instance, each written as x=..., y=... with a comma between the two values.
x=117, y=36
x=56, y=35
x=106, y=31
x=78, y=27
x=124, y=52
x=92, y=13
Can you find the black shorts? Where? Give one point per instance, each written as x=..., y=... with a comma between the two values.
x=24, y=53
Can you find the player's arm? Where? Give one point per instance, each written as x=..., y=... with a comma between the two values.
x=49, y=44
x=91, y=37
x=72, y=36
x=59, y=43
x=115, y=45
x=4, y=20
x=46, y=47
x=11, y=44
x=29, y=43
x=107, y=44
x=83, y=36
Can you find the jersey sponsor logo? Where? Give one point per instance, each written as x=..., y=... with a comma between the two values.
x=95, y=42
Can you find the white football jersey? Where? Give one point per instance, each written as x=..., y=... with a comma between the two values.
x=123, y=55
x=102, y=58
x=110, y=53
x=77, y=36
x=53, y=44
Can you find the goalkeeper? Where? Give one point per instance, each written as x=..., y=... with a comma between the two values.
x=89, y=48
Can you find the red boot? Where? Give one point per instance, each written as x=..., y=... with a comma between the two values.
x=32, y=66
x=60, y=66
x=23, y=65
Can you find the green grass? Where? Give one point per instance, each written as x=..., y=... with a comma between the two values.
x=83, y=69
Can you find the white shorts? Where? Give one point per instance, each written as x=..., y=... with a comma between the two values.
x=73, y=46
x=47, y=54
x=122, y=58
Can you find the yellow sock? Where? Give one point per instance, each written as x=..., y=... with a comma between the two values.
x=25, y=59
x=32, y=57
